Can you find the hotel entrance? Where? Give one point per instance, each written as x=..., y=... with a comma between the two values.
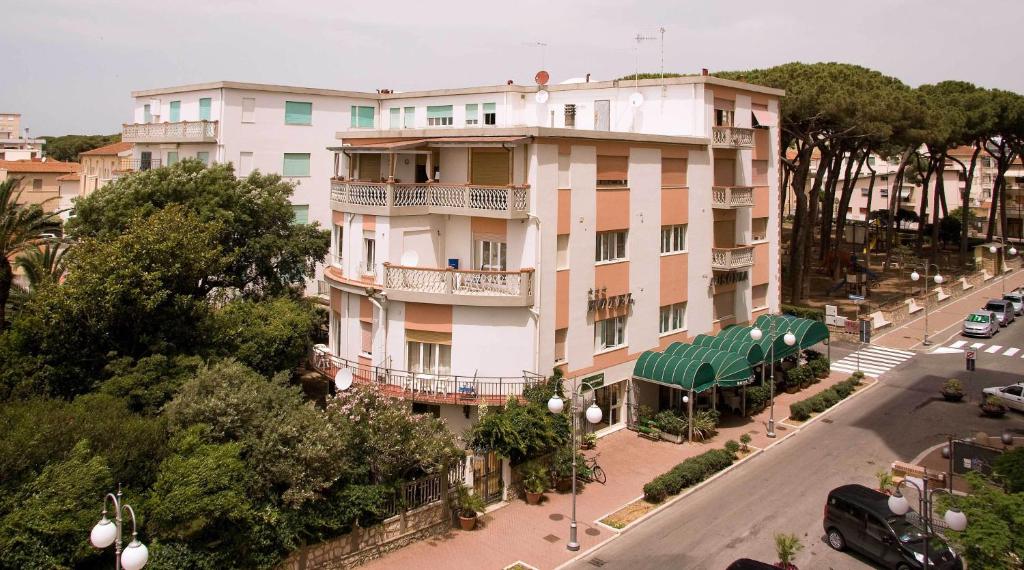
x=610, y=399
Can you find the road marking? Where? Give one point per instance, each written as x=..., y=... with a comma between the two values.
x=958, y=344
x=1011, y=351
x=977, y=345
x=993, y=348
x=947, y=350
x=873, y=361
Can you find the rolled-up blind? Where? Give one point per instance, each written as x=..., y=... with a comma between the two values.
x=429, y=337
x=298, y=113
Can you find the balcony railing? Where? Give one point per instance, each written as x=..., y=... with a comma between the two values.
x=392, y=199
x=452, y=286
x=729, y=197
x=732, y=137
x=136, y=165
x=180, y=132
x=423, y=387
x=729, y=258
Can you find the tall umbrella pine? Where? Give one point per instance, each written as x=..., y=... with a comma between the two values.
x=21, y=226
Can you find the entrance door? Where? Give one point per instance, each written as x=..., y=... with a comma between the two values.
x=632, y=397
x=487, y=476
x=603, y=115
x=145, y=160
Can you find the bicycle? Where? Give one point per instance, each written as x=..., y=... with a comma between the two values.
x=596, y=473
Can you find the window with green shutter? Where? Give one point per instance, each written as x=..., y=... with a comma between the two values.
x=490, y=114
x=298, y=113
x=203, y=157
x=396, y=118
x=471, y=114
x=204, y=109
x=147, y=114
x=296, y=164
x=362, y=117
x=440, y=116
x=172, y=157
x=300, y=213
x=410, y=118
x=175, y=114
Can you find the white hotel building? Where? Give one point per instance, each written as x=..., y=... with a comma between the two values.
x=484, y=236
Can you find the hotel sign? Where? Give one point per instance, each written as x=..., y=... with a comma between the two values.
x=730, y=277
x=598, y=301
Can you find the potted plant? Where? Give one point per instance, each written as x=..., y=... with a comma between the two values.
x=745, y=442
x=786, y=547
x=993, y=407
x=588, y=441
x=534, y=484
x=671, y=426
x=952, y=390
x=561, y=468
x=468, y=505
x=885, y=482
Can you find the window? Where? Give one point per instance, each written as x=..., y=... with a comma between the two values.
x=1013, y=390
x=175, y=114
x=366, y=338
x=244, y=163
x=610, y=333
x=203, y=157
x=362, y=117
x=884, y=192
x=147, y=114
x=440, y=116
x=570, y=115
x=204, y=108
x=759, y=229
x=338, y=244
x=612, y=171
x=300, y=214
x=724, y=306
x=395, y=120
x=490, y=114
x=864, y=192
x=871, y=160
x=672, y=318
x=172, y=157
x=301, y=113
x=724, y=117
x=986, y=162
x=560, y=336
x=296, y=164
x=611, y=246
x=759, y=295
x=562, y=255
x=472, y=118
x=37, y=183
x=369, y=255
x=248, y=109
x=490, y=255
x=426, y=409
x=429, y=358
x=409, y=121
x=673, y=238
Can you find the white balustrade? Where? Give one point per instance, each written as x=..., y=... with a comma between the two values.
x=732, y=196
x=732, y=137
x=459, y=282
x=439, y=198
x=181, y=131
x=726, y=258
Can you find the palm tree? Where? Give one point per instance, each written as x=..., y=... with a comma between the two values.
x=21, y=226
x=39, y=266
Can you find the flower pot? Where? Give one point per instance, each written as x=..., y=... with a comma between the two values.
x=786, y=566
x=467, y=523
x=564, y=484
x=993, y=411
x=533, y=498
x=792, y=389
x=953, y=396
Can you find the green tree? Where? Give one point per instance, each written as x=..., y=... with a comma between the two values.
x=519, y=432
x=68, y=147
x=269, y=336
x=262, y=251
x=21, y=225
x=1009, y=468
x=42, y=266
x=994, y=537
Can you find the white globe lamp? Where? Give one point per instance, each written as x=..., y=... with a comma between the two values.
x=956, y=519
x=756, y=334
x=789, y=338
x=103, y=534
x=686, y=399
x=594, y=414
x=939, y=279
x=135, y=556
x=556, y=405
x=992, y=249
x=915, y=276
x=1013, y=251
x=898, y=504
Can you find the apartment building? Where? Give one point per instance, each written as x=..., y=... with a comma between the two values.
x=14, y=146
x=482, y=237
x=102, y=165
x=39, y=179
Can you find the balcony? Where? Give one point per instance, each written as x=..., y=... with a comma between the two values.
x=732, y=137
x=459, y=287
x=732, y=258
x=180, y=132
x=136, y=165
x=403, y=199
x=730, y=197
x=426, y=388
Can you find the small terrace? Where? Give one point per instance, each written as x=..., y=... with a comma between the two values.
x=731, y=197
x=731, y=258
x=408, y=199
x=136, y=165
x=459, y=287
x=179, y=132
x=732, y=137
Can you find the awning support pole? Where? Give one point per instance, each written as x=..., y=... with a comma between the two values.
x=689, y=413
x=743, y=405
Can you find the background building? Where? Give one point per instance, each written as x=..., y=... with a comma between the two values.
x=39, y=179
x=14, y=145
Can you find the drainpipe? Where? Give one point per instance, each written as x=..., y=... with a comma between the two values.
x=382, y=305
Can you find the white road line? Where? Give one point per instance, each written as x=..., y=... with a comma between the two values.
x=977, y=345
x=993, y=348
x=958, y=344
x=891, y=350
x=1011, y=351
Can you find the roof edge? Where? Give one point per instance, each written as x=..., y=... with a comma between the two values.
x=537, y=132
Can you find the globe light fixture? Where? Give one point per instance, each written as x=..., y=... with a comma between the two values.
x=594, y=414
x=939, y=279
x=956, y=519
x=914, y=276
x=992, y=249
x=898, y=504
x=1012, y=251
x=756, y=334
x=107, y=532
x=789, y=338
x=104, y=533
x=556, y=405
x=135, y=556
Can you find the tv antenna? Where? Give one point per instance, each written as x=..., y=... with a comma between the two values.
x=636, y=76
x=661, y=31
x=543, y=51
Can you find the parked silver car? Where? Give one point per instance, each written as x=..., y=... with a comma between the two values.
x=1002, y=309
x=1017, y=300
x=981, y=323
x=1011, y=396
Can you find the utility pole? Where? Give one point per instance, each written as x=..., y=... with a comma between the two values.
x=662, y=32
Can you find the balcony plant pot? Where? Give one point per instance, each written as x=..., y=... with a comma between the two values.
x=564, y=484
x=467, y=506
x=533, y=498
x=952, y=396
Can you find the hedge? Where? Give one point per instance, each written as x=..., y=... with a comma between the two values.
x=818, y=403
x=804, y=312
x=688, y=473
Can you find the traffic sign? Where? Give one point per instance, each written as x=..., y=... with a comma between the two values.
x=971, y=358
x=865, y=332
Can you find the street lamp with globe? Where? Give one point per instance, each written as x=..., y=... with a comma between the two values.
x=790, y=339
x=1002, y=274
x=107, y=532
x=915, y=276
x=954, y=518
x=593, y=414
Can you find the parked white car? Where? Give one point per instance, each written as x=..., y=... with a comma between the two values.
x=981, y=323
x=1017, y=300
x=1011, y=396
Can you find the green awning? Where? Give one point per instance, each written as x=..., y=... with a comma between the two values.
x=674, y=371
x=734, y=338
x=731, y=369
x=808, y=332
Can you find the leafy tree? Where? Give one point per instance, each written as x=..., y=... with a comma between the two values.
x=269, y=336
x=1009, y=468
x=262, y=251
x=147, y=383
x=42, y=266
x=519, y=431
x=21, y=225
x=67, y=148
x=949, y=229
x=994, y=537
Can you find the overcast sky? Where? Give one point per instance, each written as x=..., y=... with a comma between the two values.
x=70, y=65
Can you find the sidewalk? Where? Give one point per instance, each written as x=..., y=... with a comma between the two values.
x=537, y=535
x=944, y=320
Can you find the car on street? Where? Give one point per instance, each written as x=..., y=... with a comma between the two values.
x=858, y=518
x=981, y=323
x=1002, y=309
x=1017, y=300
x=1011, y=396
x=748, y=564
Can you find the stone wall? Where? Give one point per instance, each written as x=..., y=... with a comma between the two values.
x=365, y=544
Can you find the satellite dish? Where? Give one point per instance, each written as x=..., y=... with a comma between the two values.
x=541, y=96
x=410, y=258
x=636, y=99
x=542, y=77
x=343, y=379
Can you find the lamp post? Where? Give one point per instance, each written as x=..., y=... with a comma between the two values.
x=790, y=339
x=1002, y=275
x=954, y=518
x=105, y=533
x=914, y=276
x=594, y=415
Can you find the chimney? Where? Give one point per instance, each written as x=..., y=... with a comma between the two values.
x=509, y=82
x=704, y=71
x=588, y=78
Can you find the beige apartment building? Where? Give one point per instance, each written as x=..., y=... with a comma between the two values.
x=39, y=178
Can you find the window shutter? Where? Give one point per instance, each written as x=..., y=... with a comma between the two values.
x=396, y=118
x=300, y=214
x=673, y=172
x=298, y=113
x=428, y=337
x=612, y=168
x=490, y=168
x=175, y=114
x=471, y=112
x=204, y=109
x=296, y=164
x=439, y=111
x=489, y=107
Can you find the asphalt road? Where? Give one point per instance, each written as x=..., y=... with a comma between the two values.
x=784, y=489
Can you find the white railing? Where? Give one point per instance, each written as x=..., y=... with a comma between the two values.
x=323, y=289
x=727, y=258
x=732, y=137
x=182, y=131
x=459, y=282
x=442, y=198
x=732, y=196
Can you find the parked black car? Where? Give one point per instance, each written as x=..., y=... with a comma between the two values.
x=1003, y=309
x=748, y=564
x=859, y=518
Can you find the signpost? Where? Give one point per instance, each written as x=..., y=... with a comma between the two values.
x=865, y=326
x=972, y=357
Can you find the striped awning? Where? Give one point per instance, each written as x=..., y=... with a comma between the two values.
x=674, y=371
x=808, y=333
x=730, y=368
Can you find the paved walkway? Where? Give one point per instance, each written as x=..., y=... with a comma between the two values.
x=537, y=534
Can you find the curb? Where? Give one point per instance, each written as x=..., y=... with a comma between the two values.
x=820, y=415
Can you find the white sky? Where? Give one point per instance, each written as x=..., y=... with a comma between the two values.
x=69, y=65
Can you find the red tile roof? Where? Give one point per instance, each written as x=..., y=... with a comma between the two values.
x=68, y=177
x=114, y=148
x=39, y=166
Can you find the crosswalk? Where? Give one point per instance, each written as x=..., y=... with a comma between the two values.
x=995, y=349
x=874, y=360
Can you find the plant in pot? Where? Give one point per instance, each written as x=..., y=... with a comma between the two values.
x=821, y=368
x=786, y=547
x=952, y=390
x=885, y=481
x=534, y=483
x=561, y=467
x=993, y=407
x=468, y=506
x=588, y=441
